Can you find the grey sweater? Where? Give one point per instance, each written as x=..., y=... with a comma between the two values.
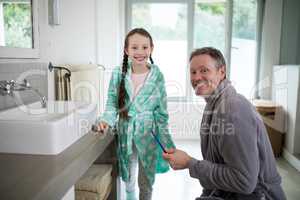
x=237, y=154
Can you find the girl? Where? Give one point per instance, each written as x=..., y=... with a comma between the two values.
x=137, y=101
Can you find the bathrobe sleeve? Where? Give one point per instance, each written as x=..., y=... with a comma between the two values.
x=161, y=115
x=239, y=152
x=111, y=108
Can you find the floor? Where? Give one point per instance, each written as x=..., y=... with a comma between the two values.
x=290, y=179
x=177, y=185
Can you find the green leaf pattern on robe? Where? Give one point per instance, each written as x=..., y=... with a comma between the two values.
x=148, y=112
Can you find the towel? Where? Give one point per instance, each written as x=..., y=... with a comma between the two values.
x=97, y=179
x=85, y=195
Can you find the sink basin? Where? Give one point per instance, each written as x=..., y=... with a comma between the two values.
x=31, y=129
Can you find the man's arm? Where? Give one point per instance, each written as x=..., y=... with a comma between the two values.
x=178, y=159
x=239, y=151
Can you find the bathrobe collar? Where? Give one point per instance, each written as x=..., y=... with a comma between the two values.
x=223, y=85
x=149, y=83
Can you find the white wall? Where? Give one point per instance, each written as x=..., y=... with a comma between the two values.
x=270, y=47
x=110, y=32
x=74, y=40
x=90, y=32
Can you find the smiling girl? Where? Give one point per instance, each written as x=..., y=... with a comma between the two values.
x=137, y=103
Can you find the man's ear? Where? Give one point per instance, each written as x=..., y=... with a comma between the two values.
x=223, y=71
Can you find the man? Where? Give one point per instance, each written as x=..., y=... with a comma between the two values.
x=238, y=162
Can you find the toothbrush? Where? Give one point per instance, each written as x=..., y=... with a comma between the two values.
x=158, y=142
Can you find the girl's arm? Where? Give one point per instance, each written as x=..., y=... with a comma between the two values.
x=111, y=108
x=161, y=115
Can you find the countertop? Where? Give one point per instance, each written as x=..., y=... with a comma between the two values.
x=46, y=177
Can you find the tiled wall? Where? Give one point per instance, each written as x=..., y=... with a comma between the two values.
x=35, y=73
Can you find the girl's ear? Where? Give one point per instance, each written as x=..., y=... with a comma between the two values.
x=152, y=49
x=125, y=50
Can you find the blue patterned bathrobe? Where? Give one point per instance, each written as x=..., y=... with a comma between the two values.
x=147, y=112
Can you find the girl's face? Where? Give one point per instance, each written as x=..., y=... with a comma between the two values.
x=139, y=49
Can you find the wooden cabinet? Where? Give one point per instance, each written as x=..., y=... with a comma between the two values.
x=285, y=92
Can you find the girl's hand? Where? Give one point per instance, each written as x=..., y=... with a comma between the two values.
x=102, y=127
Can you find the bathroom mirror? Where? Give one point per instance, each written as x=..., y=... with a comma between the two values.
x=18, y=29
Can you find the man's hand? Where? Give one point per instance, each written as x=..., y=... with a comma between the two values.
x=178, y=159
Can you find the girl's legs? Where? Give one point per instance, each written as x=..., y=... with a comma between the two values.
x=144, y=186
x=130, y=185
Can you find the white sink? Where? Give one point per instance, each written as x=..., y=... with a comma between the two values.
x=48, y=131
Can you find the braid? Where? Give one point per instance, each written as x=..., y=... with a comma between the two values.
x=151, y=60
x=122, y=92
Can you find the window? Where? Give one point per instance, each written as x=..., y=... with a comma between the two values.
x=169, y=32
x=209, y=24
x=243, y=48
x=177, y=27
x=19, y=36
x=16, y=24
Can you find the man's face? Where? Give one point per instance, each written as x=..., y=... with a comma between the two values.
x=205, y=76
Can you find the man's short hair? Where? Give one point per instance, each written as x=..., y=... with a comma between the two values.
x=212, y=52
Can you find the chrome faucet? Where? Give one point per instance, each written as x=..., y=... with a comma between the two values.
x=8, y=88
